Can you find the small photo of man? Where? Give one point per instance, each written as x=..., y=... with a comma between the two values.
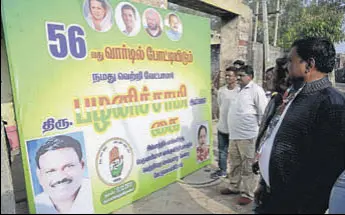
x=173, y=22
x=59, y=175
x=203, y=146
x=152, y=22
x=127, y=19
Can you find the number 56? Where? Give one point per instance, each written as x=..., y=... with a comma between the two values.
x=62, y=42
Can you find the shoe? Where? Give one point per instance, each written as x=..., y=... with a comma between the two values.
x=227, y=191
x=244, y=201
x=215, y=174
x=218, y=174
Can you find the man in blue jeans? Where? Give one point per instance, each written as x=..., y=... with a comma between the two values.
x=225, y=96
x=337, y=200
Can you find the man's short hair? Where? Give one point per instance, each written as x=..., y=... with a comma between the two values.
x=172, y=15
x=128, y=7
x=247, y=70
x=239, y=63
x=231, y=68
x=59, y=142
x=320, y=49
x=282, y=61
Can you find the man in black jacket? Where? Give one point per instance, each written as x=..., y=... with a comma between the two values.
x=303, y=149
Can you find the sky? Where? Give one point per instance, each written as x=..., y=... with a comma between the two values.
x=340, y=48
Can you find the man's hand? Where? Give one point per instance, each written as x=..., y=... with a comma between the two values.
x=255, y=168
x=258, y=194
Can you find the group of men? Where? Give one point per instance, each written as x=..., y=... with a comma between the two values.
x=300, y=151
x=241, y=106
x=153, y=20
x=129, y=15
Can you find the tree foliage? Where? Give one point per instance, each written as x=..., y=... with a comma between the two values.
x=297, y=19
x=322, y=20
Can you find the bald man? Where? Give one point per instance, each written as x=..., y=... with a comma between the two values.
x=153, y=23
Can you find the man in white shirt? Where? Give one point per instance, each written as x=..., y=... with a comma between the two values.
x=129, y=18
x=60, y=170
x=244, y=118
x=226, y=95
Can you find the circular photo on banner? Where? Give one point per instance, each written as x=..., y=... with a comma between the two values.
x=98, y=14
x=114, y=161
x=174, y=27
x=127, y=19
x=153, y=23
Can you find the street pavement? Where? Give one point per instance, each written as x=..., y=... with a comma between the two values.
x=196, y=193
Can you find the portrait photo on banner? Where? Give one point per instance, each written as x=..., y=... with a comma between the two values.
x=174, y=28
x=127, y=19
x=98, y=15
x=59, y=174
x=202, y=138
x=152, y=22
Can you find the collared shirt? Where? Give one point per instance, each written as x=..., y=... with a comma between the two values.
x=246, y=112
x=225, y=99
x=174, y=35
x=270, y=135
x=155, y=33
x=266, y=149
x=130, y=34
x=82, y=204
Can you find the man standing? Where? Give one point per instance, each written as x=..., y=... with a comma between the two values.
x=153, y=23
x=303, y=150
x=226, y=95
x=244, y=119
x=60, y=170
x=129, y=17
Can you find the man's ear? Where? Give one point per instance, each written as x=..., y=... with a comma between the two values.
x=82, y=164
x=310, y=64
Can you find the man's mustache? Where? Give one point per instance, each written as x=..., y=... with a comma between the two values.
x=65, y=180
x=154, y=27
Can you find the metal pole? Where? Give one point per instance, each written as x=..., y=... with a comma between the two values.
x=256, y=20
x=266, y=38
x=276, y=24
